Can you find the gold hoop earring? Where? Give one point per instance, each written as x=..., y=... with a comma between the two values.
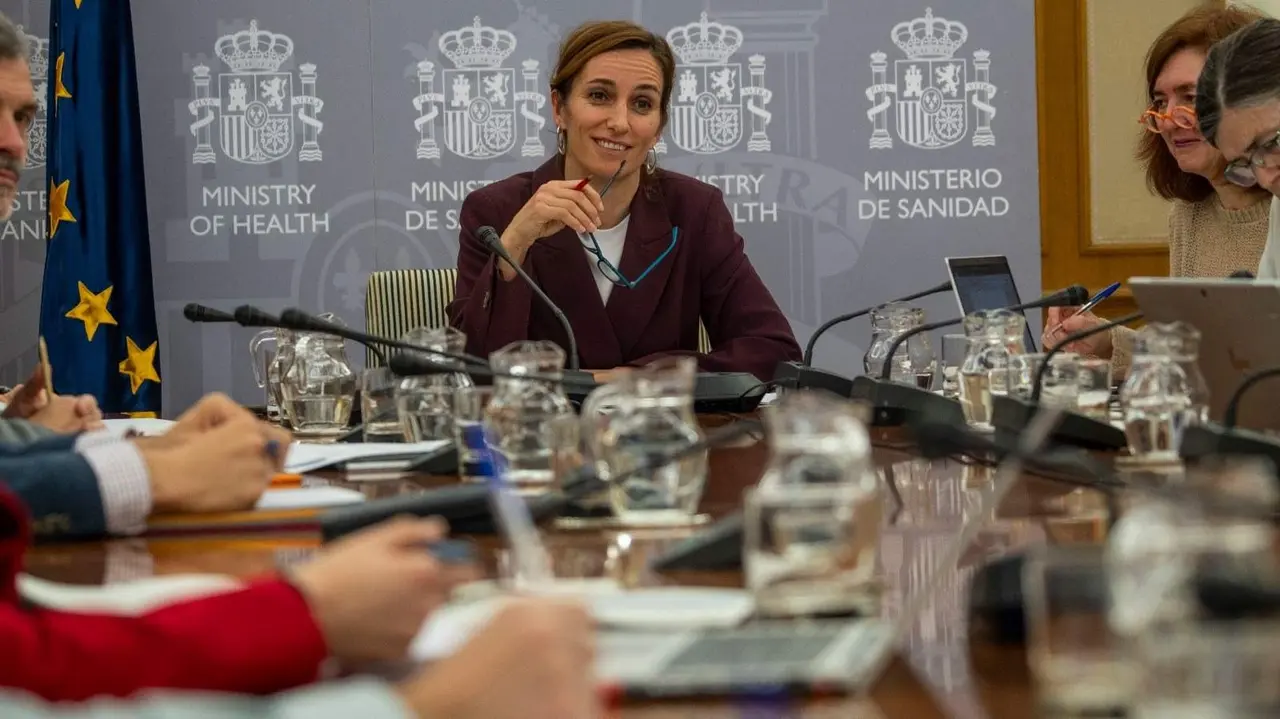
x=651, y=161
x=560, y=141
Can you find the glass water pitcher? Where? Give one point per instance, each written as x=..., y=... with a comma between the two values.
x=643, y=415
x=425, y=404
x=914, y=361
x=272, y=353
x=1184, y=349
x=812, y=524
x=531, y=423
x=318, y=388
x=1155, y=397
x=996, y=338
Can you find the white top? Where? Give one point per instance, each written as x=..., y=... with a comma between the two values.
x=610, y=242
x=1269, y=266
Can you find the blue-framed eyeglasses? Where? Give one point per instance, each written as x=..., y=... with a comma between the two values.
x=613, y=274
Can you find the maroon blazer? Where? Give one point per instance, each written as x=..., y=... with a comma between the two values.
x=707, y=277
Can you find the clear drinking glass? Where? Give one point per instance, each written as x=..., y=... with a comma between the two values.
x=1022, y=374
x=378, y=410
x=1081, y=668
x=1061, y=384
x=425, y=412
x=469, y=406
x=1094, y=398
x=954, y=349
x=1204, y=670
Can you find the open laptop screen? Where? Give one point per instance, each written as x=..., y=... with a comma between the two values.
x=985, y=283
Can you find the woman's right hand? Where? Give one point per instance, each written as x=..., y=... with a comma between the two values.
x=1064, y=321
x=556, y=205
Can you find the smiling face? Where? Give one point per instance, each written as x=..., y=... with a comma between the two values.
x=1175, y=87
x=611, y=113
x=17, y=110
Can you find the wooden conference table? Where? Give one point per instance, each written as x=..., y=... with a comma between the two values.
x=940, y=670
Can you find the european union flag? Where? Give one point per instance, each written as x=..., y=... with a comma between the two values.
x=97, y=313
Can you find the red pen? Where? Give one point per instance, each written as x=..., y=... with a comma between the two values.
x=582, y=184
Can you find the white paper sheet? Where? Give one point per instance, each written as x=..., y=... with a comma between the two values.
x=145, y=426
x=308, y=497
x=660, y=609
x=310, y=457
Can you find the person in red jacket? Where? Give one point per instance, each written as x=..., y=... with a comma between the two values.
x=363, y=599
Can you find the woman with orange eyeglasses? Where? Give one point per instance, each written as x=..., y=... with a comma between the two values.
x=1216, y=227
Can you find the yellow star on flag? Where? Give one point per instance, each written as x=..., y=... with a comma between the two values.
x=92, y=309
x=140, y=365
x=60, y=91
x=77, y=4
x=58, y=211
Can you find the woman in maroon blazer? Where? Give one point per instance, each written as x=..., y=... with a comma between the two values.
x=634, y=255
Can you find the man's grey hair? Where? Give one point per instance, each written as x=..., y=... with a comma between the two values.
x=13, y=44
x=1241, y=71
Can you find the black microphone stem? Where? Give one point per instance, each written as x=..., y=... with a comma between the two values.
x=813, y=341
x=887, y=370
x=1082, y=334
x=490, y=238
x=1233, y=406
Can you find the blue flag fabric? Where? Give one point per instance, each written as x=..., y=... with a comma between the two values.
x=97, y=312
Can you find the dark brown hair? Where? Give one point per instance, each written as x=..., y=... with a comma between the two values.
x=595, y=38
x=1201, y=29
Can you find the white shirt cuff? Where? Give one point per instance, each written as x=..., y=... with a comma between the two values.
x=95, y=438
x=123, y=483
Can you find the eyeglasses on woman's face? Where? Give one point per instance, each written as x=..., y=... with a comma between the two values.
x=1156, y=120
x=1242, y=172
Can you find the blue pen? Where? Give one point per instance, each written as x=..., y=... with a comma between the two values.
x=1104, y=294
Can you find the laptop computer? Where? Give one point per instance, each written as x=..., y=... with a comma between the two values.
x=1239, y=324
x=985, y=283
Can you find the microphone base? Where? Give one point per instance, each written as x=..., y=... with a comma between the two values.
x=796, y=375
x=1210, y=439
x=1011, y=415
x=894, y=405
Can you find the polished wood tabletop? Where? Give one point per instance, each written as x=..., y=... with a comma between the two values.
x=939, y=671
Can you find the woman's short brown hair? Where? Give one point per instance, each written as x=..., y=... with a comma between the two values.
x=1200, y=28
x=595, y=38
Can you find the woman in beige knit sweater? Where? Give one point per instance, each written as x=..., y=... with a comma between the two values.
x=1215, y=227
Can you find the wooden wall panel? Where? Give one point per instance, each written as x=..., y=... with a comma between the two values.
x=1069, y=253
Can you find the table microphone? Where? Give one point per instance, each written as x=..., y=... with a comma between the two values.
x=1009, y=414
x=802, y=375
x=468, y=509
x=199, y=313
x=489, y=238
x=250, y=316
x=299, y=321
x=1209, y=438
x=405, y=364
x=892, y=401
